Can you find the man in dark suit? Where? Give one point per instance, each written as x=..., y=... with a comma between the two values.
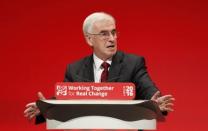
x=106, y=64
x=124, y=68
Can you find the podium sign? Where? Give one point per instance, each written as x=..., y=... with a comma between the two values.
x=89, y=90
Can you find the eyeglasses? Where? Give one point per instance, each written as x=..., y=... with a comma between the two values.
x=106, y=34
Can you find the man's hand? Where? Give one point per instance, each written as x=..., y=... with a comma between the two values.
x=31, y=108
x=165, y=102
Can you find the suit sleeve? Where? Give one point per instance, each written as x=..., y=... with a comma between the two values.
x=67, y=78
x=145, y=87
x=40, y=118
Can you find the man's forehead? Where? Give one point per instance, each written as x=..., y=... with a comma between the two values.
x=106, y=24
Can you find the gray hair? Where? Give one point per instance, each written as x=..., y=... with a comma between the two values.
x=92, y=18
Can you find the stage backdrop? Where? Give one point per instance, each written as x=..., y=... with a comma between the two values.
x=39, y=38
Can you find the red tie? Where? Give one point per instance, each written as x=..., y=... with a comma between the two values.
x=104, y=75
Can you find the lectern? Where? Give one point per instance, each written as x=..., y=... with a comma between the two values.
x=100, y=114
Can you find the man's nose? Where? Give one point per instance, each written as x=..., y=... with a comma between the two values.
x=112, y=37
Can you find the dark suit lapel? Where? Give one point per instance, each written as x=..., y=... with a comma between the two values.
x=116, y=66
x=86, y=74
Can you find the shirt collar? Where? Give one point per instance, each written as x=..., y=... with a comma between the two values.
x=98, y=61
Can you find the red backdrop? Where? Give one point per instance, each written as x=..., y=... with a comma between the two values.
x=39, y=38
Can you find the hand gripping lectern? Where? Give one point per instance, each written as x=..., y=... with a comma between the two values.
x=100, y=114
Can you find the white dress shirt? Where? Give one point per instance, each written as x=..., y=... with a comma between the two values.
x=98, y=69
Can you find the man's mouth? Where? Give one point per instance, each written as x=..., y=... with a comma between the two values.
x=111, y=46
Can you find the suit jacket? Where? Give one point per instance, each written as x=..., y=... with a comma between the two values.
x=124, y=68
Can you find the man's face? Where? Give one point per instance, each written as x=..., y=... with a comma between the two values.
x=103, y=38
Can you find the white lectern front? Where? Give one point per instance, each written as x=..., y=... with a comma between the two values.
x=100, y=114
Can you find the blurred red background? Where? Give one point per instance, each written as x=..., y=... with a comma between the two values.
x=39, y=38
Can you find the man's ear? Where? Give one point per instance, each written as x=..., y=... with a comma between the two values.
x=88, y=40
